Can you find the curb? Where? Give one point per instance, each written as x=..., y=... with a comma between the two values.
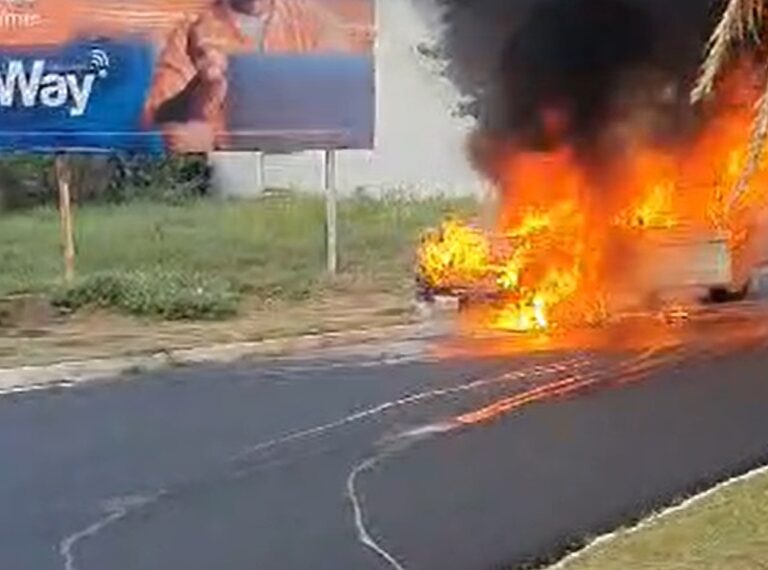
x=64, y=374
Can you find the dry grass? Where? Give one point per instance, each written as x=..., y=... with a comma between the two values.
x=727, y=531
x=39, y=339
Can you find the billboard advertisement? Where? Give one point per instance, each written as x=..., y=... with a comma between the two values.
x=186, y=75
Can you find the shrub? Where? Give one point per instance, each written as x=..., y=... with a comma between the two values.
x=163, y=294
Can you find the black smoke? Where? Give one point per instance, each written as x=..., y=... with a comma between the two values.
x=523, y=58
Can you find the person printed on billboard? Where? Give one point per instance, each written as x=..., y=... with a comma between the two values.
x=188, y=93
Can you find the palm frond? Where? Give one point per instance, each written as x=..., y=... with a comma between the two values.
x=740, y=19
x=755, y=149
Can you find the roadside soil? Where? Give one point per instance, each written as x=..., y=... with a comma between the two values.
x=33, y=333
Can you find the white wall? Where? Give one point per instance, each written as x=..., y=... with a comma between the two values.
x=419, y=144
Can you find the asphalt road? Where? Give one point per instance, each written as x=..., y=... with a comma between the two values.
x=472, y=456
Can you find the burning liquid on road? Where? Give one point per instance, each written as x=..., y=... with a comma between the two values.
x=554, y=256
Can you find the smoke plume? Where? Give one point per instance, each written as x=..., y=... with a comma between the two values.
x=576, y=71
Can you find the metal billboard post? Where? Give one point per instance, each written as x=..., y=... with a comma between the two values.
x=63, y=181
x=261, y=181
x=331, y=211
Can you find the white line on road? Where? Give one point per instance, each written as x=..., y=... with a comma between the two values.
x=403, y=441
x=538, y=370
x=63, y=384
x=357, y=508
x=116, y=509
x=408, y=438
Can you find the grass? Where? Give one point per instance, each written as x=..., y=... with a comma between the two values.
x=728, y=530
x=199, y=258
x=170, y=295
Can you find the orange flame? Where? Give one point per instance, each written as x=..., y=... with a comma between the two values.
x=549, y=257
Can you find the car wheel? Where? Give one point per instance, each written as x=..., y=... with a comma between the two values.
x=725, y=295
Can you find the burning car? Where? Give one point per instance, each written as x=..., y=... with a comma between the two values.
x=608, y=222
x=615, y=193
x=538, y=274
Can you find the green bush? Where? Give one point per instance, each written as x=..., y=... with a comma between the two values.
x=171, y=179
x=163, y=294
x=27, y=181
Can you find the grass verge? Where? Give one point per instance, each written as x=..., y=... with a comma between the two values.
x=201, y=258
x=725, y=531
x=169, y=295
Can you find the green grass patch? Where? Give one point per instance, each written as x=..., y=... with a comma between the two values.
x=142, y=256
x=728, y=530
x=171, y=296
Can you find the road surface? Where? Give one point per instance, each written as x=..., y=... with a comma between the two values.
x=419, y=454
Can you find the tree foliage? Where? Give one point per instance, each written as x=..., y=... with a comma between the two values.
x=28, y=180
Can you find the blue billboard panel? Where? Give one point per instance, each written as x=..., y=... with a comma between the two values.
x=272, y=75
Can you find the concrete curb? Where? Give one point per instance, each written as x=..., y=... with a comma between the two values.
x=28, y=378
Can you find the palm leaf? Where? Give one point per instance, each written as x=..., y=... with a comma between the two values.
x=755, y=150
x=740, y=19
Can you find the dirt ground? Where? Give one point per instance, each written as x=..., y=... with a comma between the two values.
x=34, y=333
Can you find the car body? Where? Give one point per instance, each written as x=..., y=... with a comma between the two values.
x=647, y=268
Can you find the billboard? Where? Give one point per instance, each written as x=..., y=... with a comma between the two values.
x=186, y=75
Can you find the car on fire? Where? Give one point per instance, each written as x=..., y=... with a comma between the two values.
x=659, y=266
